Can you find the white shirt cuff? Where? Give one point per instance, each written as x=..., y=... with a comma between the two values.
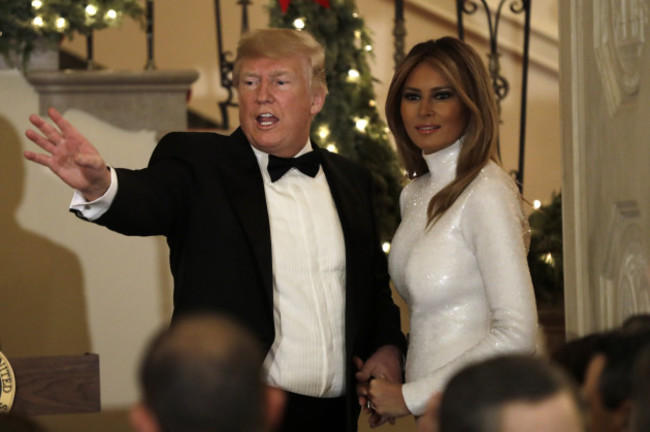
x=93, y=210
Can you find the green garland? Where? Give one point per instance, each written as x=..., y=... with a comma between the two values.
x=24, y=23
x=545, y=258
x=349, y=120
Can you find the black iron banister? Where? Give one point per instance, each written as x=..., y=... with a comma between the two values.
x=524, y=97
x=399, y=32
x=150, y=64
x=225, y=64
x=500, y=83
x=244, y=14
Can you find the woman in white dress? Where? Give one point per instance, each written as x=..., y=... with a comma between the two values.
x=459, y=256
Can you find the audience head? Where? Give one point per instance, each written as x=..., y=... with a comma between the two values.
x=574, y=356
x=636, y=323
x=511, y=393
x=640, y=415
x=609, y=379
x=203, y=373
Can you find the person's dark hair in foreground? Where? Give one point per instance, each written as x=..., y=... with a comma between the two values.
x=640, y=416
x=574, y=356
x=639, y=322
x=204, y=374
x=609, y=380
x=503, y=393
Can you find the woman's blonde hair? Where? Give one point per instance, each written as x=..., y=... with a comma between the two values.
x=462, y=67
x=281, y=43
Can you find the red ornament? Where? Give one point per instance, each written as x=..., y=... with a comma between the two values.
x=284, y=4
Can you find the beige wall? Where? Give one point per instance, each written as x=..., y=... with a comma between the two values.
x=68, y=287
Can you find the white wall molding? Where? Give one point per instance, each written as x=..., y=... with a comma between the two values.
x=623, y=282
x=579, y=320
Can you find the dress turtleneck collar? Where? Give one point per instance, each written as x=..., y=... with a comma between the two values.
x=442, y=164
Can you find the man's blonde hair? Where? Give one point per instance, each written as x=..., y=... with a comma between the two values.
x=282, y=43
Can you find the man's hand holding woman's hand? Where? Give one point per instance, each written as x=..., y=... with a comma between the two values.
x=384, y=367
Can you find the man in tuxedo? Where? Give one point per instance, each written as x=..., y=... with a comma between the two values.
x=262, y=225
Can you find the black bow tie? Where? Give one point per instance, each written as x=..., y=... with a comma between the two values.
x=307, y=164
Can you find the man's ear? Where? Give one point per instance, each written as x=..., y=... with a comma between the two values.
x=318, y=100
x=275, y=401
x=142, y=419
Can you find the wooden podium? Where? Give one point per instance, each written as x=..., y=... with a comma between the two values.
x=56, y=385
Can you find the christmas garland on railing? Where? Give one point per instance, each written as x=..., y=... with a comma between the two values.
x=284, y=4
x=24, y=23
x=545, y=258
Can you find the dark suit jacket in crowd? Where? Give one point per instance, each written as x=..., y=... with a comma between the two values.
x=205, y=193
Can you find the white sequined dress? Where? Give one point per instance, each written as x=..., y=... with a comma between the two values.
x=466, y=279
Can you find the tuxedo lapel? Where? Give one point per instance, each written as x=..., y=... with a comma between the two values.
x=245, y=188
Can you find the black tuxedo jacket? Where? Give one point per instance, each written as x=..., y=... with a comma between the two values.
x=205, y=193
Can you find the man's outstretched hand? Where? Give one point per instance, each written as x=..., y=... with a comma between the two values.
x=69, y=155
